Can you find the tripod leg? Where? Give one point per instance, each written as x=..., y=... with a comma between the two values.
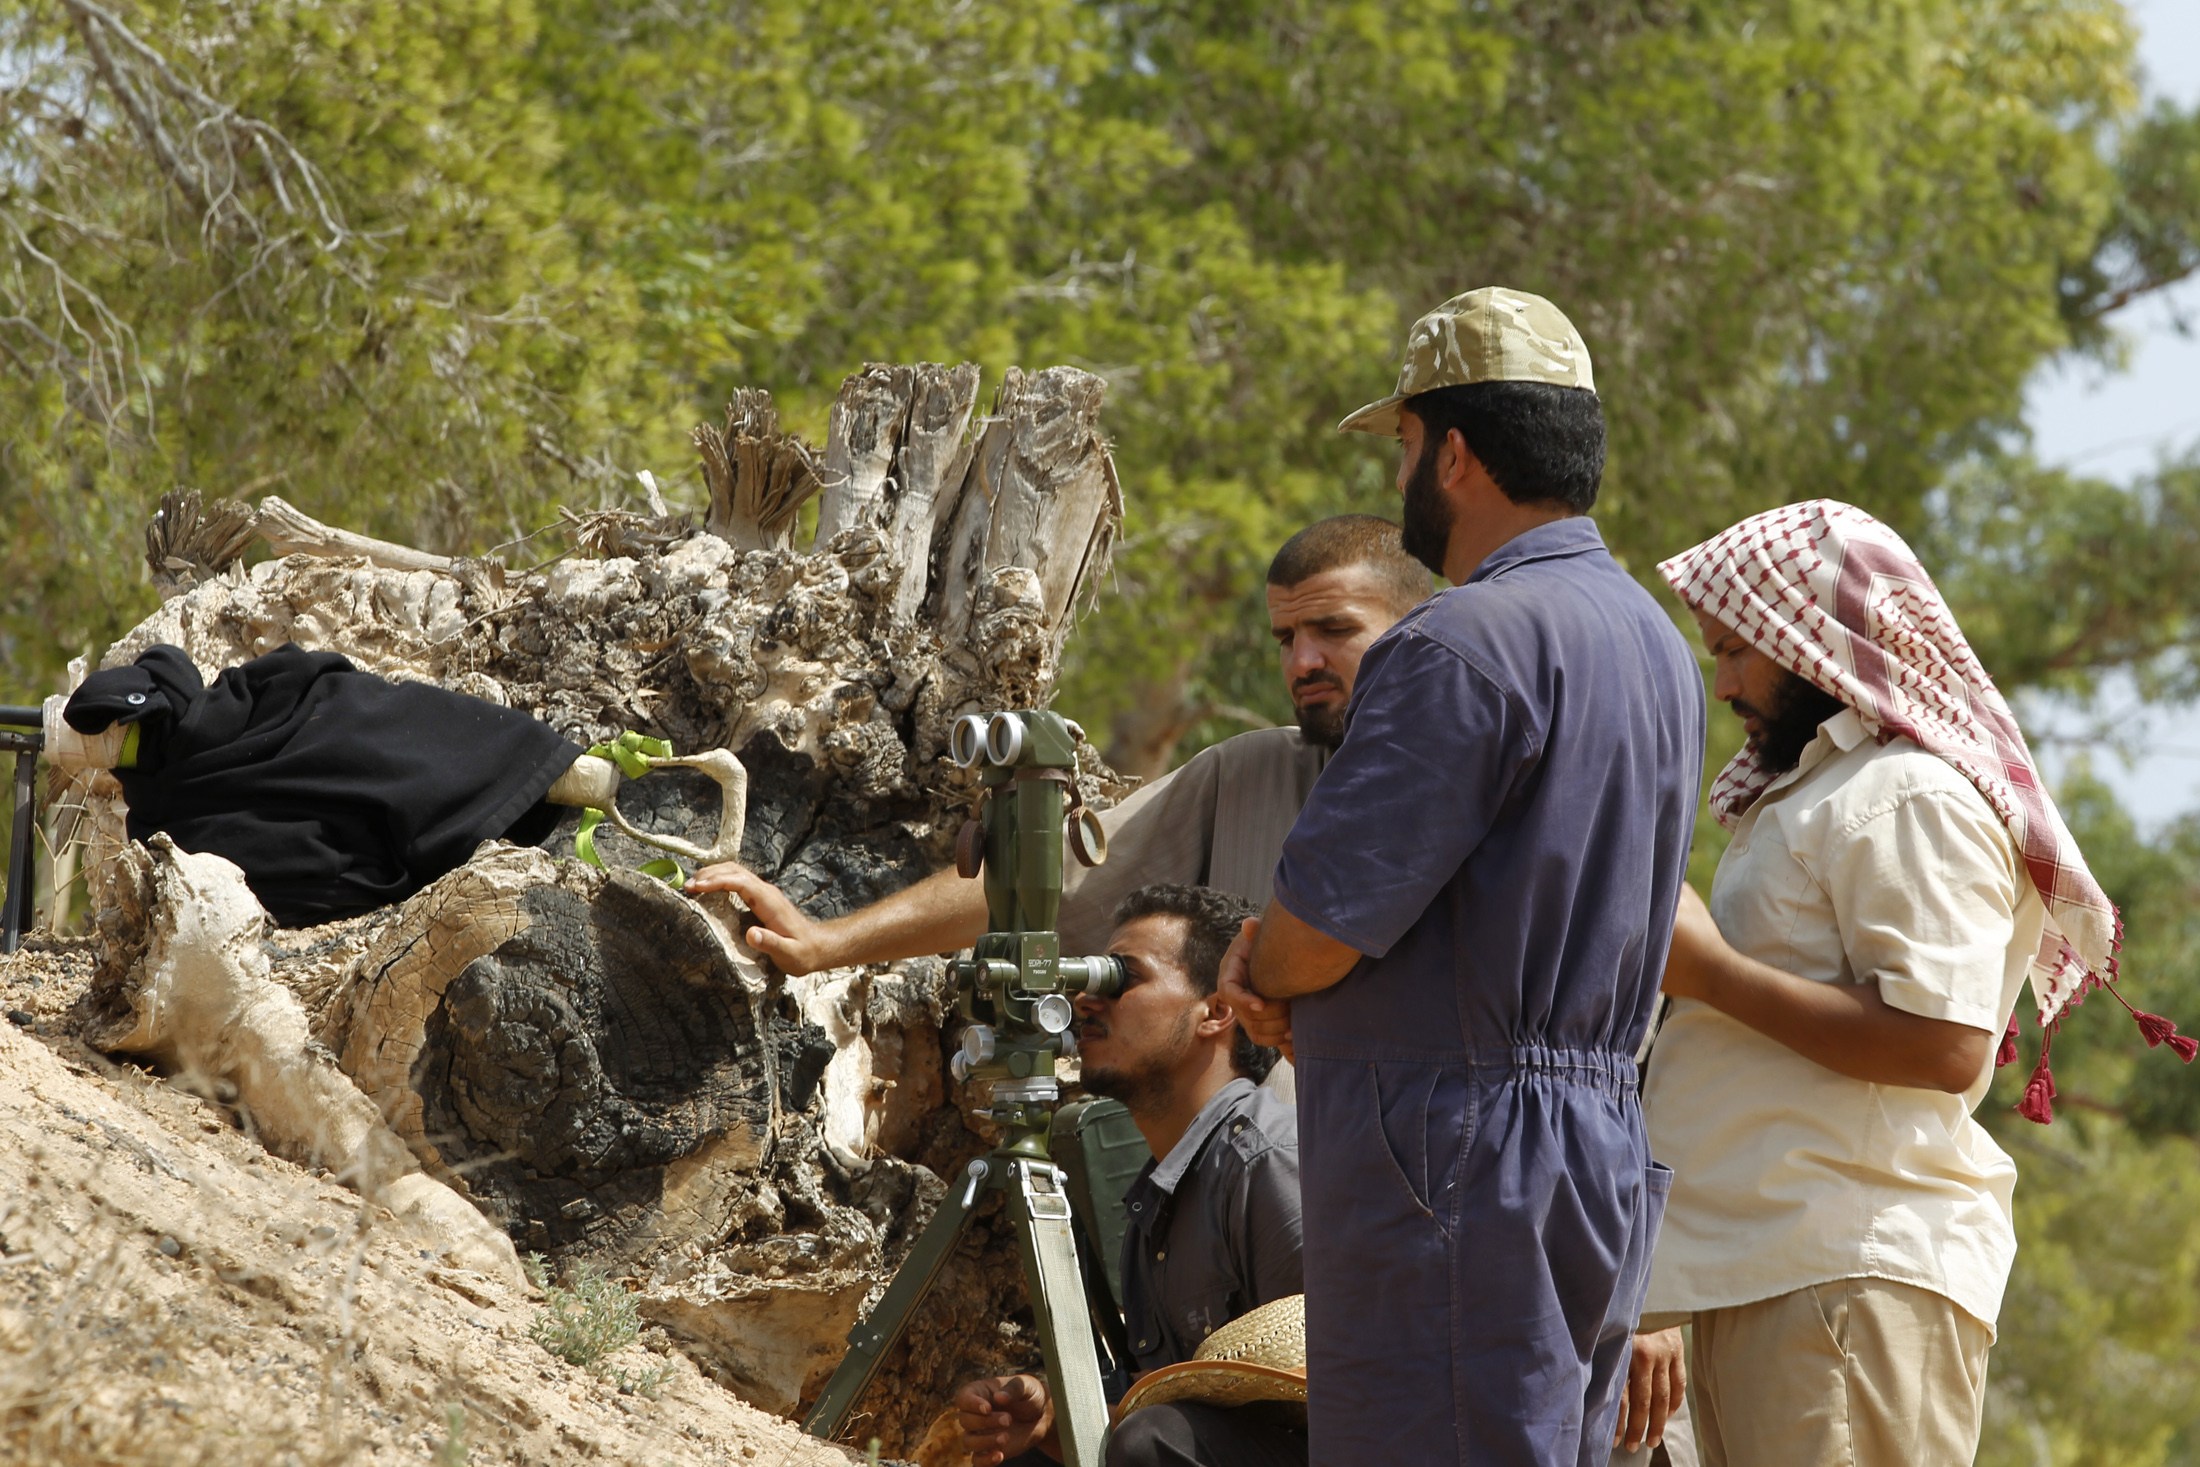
x=1040, y=1204
x=874, y=1335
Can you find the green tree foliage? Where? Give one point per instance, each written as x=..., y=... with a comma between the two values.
x=2093, y=1366
x=2151, y=238
x=2061, y=579
x=260, y=247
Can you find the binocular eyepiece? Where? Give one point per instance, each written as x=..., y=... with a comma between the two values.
x=1002, y=740
x=1102, y=977
x=1052, y=1014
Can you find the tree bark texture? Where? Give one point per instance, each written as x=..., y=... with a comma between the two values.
x=594, y=1060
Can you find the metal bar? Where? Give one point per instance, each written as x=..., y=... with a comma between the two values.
x=20, y=715
x=873, y=1336
x=18, y=905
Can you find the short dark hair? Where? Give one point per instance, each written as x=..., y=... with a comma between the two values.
x=1348, y=540
x=1542, y=443
x=1211, y=922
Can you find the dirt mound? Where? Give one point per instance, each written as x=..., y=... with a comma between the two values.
x=172, y=1293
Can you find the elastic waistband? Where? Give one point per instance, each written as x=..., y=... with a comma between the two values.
x=1601, y=1069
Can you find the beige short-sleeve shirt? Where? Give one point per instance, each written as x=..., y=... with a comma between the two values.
x=1865, y=863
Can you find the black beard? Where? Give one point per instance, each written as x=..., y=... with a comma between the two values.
x=1797, y=710
x=1322, y=726
x=1137, y=1092
x=1143, y=1086
x=1427, y=516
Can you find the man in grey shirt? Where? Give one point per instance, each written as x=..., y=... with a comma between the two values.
x=1218, y=821
x=1214, y=1222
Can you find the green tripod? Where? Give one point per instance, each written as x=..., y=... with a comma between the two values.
x=1014, y=992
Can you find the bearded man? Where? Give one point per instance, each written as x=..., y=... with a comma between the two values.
x=1840, y=1228
x=1469, y=923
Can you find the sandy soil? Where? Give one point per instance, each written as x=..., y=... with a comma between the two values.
x=172, y=1293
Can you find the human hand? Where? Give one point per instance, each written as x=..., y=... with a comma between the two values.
x=786, y=934
x=1266, y=1021
x=1657, y=1376
x=1696, y=941
x=1002, y=1417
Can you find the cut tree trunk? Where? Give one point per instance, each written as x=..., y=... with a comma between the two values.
x=594, y=1060
x=578, y=1050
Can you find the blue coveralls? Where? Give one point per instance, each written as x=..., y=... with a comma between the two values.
x=1503, y=834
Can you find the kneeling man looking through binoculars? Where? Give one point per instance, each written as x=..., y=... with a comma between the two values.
x=1213, y=1232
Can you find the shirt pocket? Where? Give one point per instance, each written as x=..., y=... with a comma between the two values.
x=1424, y=1124
x=1772, y=906
x=1201, y=1314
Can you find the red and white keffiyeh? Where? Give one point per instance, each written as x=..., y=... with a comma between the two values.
x=1836, y=597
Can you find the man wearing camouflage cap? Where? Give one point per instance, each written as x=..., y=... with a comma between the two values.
x=1469, y=925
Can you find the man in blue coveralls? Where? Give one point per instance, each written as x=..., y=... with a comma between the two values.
x=1469, y=924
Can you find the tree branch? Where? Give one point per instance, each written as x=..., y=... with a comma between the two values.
x=216, y=198
x=133, y=106
x=2118, y=299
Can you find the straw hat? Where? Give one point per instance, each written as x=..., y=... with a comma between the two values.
x=1259, y=1356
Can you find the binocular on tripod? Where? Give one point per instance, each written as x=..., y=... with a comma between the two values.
x=1015, y=991
x=1015, y=994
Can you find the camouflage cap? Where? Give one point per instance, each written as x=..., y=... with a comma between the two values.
x=1487, y=335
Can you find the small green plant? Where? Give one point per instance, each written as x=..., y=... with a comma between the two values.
x=453, y=1451
x=590, y=1321
x=591, y=1318
x=646, y=1382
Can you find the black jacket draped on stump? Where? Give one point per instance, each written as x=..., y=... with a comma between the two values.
x=334, y=790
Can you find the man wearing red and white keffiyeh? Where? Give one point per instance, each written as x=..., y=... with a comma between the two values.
x=1840, y=1229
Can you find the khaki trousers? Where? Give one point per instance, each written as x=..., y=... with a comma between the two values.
x=1853, y=1373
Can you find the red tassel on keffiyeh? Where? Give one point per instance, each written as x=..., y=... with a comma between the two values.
x=2159, y=1031
x=2007, y=1054
x=2038, y=1105
x=2039, y=1094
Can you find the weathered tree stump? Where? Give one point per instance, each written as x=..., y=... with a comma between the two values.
x=593, y=1059
x=576, y=1050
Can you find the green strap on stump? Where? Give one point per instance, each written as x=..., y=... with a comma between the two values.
x=631, y=752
